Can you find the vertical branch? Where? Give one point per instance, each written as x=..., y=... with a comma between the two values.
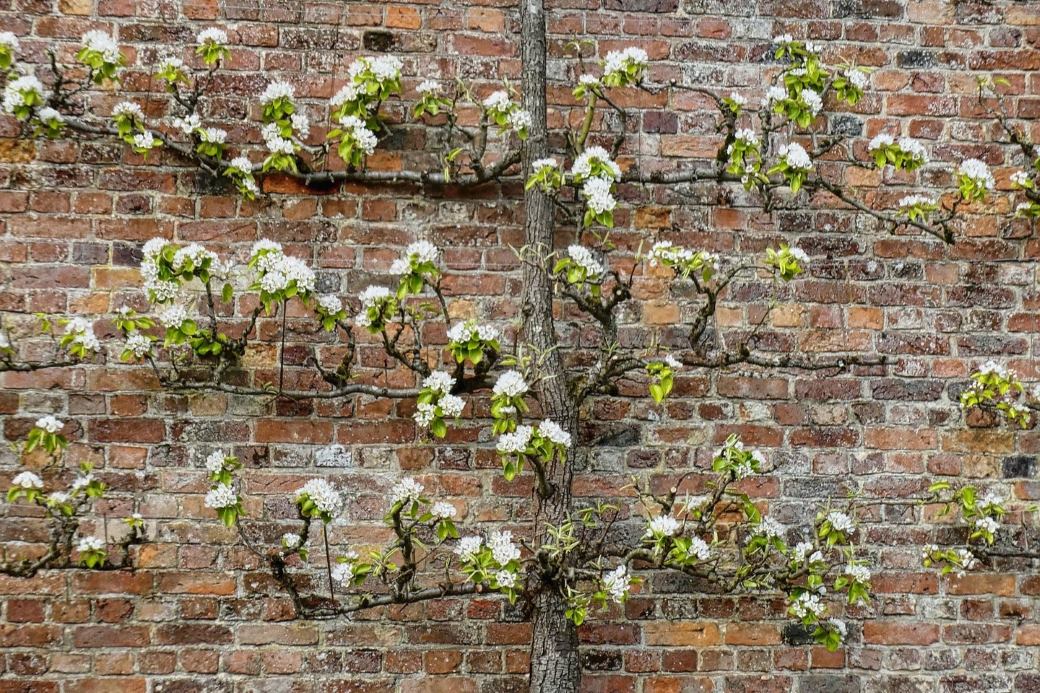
x=328, y=560
x=281, y=350
x=554, y=646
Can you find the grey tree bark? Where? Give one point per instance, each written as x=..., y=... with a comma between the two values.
x=555, y=667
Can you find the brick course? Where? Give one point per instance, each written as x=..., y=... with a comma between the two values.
x=200, y=611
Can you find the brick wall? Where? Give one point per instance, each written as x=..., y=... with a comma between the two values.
x=199, y=615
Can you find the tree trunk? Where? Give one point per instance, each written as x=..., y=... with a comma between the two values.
x=555, y=667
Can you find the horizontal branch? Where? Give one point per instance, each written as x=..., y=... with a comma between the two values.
x=319, y=179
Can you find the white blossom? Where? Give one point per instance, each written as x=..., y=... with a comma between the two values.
x=588, y=80
x=798, y=254
x=699, y=548
x=598, y=195
x=795, y=156
x=468, y=547
x=498, y=101
x=422, y=251
x=582, y=166
x=465, y=331
x=439, y=381
x=90, y=544
x=519, y=120
x=291, y=540
x=510, y=384
x=9, y=40
x=128, y=108
x=539, y=164
x=152, y=249
x=812, y=100
x=977, y=171
x=212, y=35
x=994, y=368
x=14, y=91
x=188, y=124
x=914, y=200
x=215, y=462
x=859, y=573
x=301, y=124
x=81, y=482
x=857, y=78
x=552, y=431
x=277, y=271
x=343, y=572
x=672, y=362
x=840, y=521
x=616, y=61
x=773, y=94
x=992, y=497
x=503, y=550
x=737, y=98
x=987, y=524
x=346, y=94
x=914, y=149
x=662, y=525
x=82, y=333
x=162, y=291
x=616, y=583
x=49, y=424
x=405, y=491
x=213, y=135
x=801, y=551
x=839, y=626
x=365, y=139
x=276, y=144
x=880, y=141
x=58, y=498
x=769, y=528
x=967, y=560
x=277, y=90
x=428, y=86
x=505, y=579
x=425, y=413
x=373, y=295
x=807, y=604
x=173, y=316
x=194, y=253
x=330, y=304
x=583, y=257
x=221, y=496
x=49, y=115
x=324, y=496
x=102, y=43
x=169, y=62
x=144, y=140
x=747, y=136
x=452, y=405
x=27, y=480
x=783, y=39
x=1019, y=178
x=386, y=67
x=515, y=442
x=443, y=511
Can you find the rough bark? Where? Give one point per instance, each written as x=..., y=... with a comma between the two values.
x=554, y=649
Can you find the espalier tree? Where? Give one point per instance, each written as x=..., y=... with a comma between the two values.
x=534, y=387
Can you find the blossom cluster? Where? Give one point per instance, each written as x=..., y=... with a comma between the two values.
x=279, y=276
x=320, y=500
